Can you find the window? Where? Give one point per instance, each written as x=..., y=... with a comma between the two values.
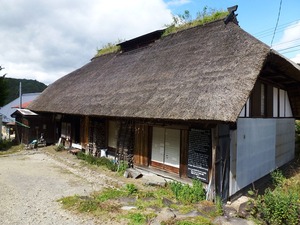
x=281, y=103
x=263, y=99
x=113, y=128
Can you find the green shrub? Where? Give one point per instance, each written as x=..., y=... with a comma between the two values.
x=102, y=161
x=280, y=206
x=186, y=193
x=59, y=148
x=277, y=178
x=131, y=189
x=5, y=145
x=297, y=127
x=136, y=218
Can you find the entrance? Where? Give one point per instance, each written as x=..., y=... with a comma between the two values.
x=165, y=152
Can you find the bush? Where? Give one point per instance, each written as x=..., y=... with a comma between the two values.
x=5, y=145
x=186, y=193
x=280, y=206
x=59, y=148
x=102, y=161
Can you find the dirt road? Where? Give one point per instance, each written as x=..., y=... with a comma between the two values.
x=32, y=182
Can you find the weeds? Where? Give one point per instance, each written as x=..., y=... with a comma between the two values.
x=136, y=218
x=102, y=161
x=186, y=193
x=280, y=206
x=182, y=22
x=59, y=148
x=8, y=147
x=146, y=202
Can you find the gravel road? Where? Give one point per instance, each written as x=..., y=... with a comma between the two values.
x=31, y=182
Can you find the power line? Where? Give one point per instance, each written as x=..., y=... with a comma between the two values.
x=279, y=11
x=286, y=42
x=272, y=28
x=282, y=28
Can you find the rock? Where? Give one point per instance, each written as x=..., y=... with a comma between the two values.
x=128, y=207
x=229, y=211
x=132, y=173
x=245, y=209
x=221, y=220
x=165, y=215
x=167, y=202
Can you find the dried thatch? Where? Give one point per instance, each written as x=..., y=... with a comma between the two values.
x=203, y=73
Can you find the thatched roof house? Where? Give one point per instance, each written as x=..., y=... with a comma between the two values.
x=210, y=102
x=202, y=73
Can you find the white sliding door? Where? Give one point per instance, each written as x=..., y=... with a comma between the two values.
x=166, y=146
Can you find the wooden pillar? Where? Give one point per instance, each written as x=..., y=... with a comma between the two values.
x=211, y=190
x=84, y=127
x=184, y=153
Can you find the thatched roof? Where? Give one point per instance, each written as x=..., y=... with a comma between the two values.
x=202, y=73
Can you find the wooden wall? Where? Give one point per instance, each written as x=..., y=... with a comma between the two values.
x=141, y=145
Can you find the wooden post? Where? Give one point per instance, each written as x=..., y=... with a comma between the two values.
x=184, y=153
x=211, y=190
x=84, y=125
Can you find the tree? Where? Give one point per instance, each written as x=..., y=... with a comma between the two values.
x=3, y=88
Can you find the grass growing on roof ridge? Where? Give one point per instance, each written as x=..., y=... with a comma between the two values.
x=182, y=23
x=108, y=48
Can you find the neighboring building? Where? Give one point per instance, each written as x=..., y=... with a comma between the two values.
x=9, y=108
x=9, y=126
x=211, y=102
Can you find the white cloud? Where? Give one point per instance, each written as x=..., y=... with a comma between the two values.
x=178, y=2
x=296, y=59
x=290, y=41
x=44, y=40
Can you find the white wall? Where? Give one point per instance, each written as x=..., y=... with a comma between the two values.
x=259, y=146
x=285, y=141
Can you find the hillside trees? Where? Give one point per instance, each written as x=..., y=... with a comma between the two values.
x=3, y=88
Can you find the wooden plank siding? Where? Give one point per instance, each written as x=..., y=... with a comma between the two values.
x=141, y=145
x=84, y=130
x=183, y=153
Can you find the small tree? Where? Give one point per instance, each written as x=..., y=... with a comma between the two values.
x=3, y=88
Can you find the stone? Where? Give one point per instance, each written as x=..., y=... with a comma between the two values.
x=245, y=209
x=222, y=220
x=165, y=215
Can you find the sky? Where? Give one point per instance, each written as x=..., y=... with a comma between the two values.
x=44, y=40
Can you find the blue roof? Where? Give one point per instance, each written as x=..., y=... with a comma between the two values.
x=7, y=110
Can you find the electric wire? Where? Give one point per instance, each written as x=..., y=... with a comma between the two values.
x=279, y=11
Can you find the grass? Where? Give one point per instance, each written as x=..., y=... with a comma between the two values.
x=108, y=48
x=176, y=26
x=280, y=204
x=7, y=147
x=147, y=203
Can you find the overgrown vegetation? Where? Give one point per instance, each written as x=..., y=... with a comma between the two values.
x=9, y=147
x=281, y=205
x=59, y=148
x=180, y=22
x=103, y=161
x=3, y=89
x=185, y=21
x=108, y=48
x=186, y=193
x=146, y=202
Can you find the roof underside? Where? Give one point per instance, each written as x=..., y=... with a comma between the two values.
x=203, y=73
